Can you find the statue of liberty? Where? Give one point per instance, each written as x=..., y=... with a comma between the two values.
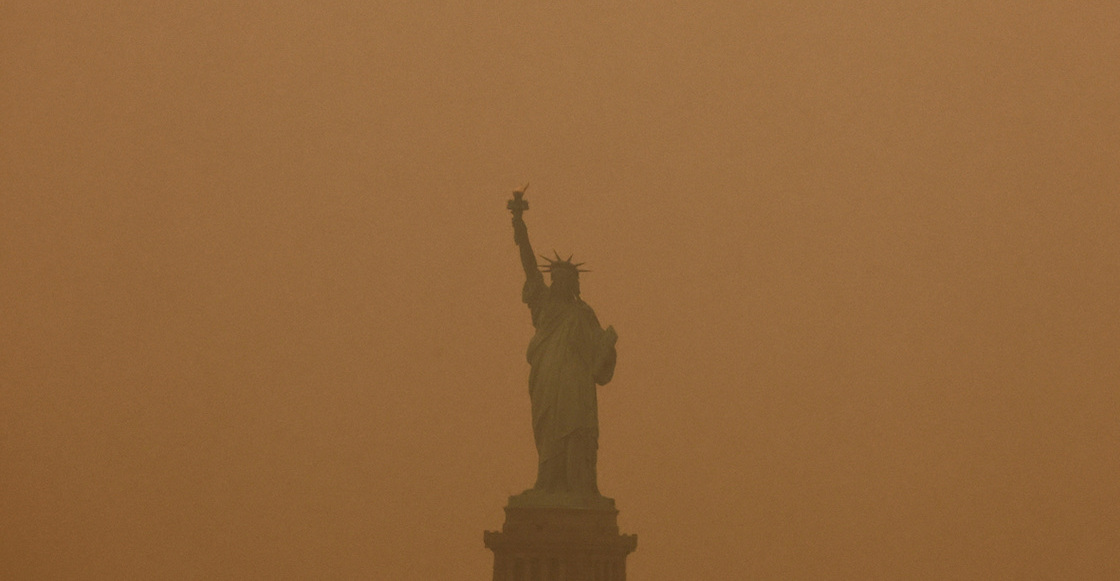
x=569, y=354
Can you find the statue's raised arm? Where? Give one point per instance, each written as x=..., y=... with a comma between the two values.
x=517, y=207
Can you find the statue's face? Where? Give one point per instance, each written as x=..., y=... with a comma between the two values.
x=565, y=281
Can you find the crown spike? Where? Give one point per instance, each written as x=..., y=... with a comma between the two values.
x=558, y=262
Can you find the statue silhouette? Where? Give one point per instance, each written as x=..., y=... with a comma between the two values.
x=569, y=354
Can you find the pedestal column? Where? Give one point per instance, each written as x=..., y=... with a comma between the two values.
x=559, y=544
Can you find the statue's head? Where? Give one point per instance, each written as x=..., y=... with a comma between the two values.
x=564, y=275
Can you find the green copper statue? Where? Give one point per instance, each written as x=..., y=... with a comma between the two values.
x=569, y=354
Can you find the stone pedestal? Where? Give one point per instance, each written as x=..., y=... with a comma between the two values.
x=543, y=543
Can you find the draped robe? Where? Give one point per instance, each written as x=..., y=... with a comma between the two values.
x=569, y=354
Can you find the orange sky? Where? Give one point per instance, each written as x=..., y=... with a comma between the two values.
x=260, y=304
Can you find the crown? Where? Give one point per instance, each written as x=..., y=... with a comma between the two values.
x=561, y=263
